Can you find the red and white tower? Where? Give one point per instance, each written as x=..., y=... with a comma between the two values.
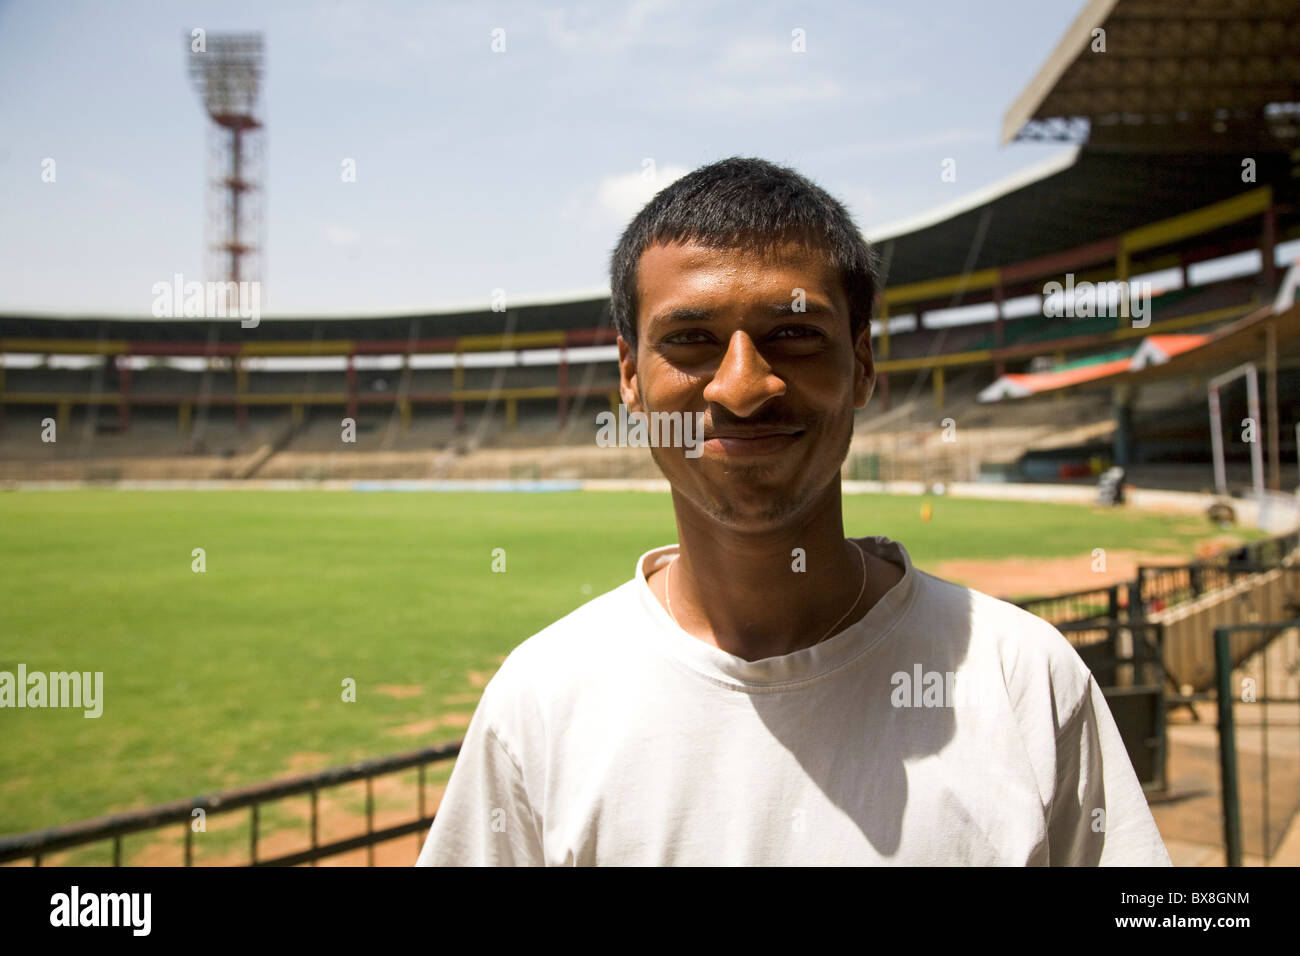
x=228, y=72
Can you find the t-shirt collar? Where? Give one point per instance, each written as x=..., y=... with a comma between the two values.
x=777, y=673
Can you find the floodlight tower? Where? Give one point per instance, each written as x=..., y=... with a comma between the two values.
x=228, y=74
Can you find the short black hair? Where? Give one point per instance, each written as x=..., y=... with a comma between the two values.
x=744, y=201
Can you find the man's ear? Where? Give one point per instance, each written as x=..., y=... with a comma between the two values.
x=628, y=386
x=864, y=366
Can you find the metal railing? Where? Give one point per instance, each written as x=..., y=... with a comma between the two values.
x=1127, y=661
x=1157, y=587
x=40, y=843
x=1161, y=586
x=1126, y=654
x=1096, y=605
x=1229, y=771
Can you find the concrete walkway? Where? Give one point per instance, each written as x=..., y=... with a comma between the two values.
x=1190, y=816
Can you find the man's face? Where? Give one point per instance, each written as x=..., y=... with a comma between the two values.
x=720, y=333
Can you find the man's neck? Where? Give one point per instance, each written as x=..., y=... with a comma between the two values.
x=759, y=595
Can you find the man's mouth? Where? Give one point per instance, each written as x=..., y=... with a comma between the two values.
x=737, y=442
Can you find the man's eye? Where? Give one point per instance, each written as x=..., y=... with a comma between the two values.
x=797, y=331
x=686, y=338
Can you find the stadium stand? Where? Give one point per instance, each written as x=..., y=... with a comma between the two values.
x=1162, y=122
x=1153, y=187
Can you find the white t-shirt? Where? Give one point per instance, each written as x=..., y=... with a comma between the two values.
x=945, y=727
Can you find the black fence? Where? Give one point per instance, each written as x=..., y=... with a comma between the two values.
x=1127, y=661
x=1158, y=587
x=35, y=845
x=1110, y=629
x=1269, y=781
x=1094, y=605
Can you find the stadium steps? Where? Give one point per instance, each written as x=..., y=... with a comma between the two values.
x=911, y=447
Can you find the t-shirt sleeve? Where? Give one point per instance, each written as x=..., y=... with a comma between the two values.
x=485, y=818
x=1099, y=815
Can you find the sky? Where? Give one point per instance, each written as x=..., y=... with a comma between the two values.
x=476, y=169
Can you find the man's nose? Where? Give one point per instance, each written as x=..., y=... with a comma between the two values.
x=744, y=382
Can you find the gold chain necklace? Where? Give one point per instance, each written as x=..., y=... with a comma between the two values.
x=862, y=590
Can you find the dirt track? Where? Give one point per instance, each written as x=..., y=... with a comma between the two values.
x=1031, y=577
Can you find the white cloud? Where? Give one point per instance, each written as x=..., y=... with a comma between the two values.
x=378, y=42
x=104, y=179
x=736, y=97
x=585, y=26
x=905, y=144
x=757, y=72
x=859, y=201
x=342, y=235
x=747, y=55
x=621, y=196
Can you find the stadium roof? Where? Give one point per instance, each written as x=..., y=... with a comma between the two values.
x=1163, y=70
x=976, y=198
x=1098, y=196
x=590, y=316
x=1083, y=197
x=1181, y=92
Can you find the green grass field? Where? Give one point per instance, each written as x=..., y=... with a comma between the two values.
x=219, y=679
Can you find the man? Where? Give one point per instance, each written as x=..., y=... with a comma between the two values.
x=768, y=691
